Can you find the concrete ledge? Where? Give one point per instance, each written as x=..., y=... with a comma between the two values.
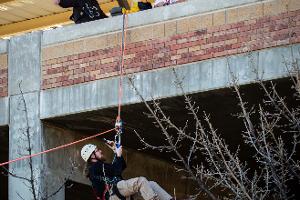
x=3, y=46
x=4, y=110
x=189, y=8
x=197, y=77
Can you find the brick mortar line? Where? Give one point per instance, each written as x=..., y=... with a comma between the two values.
x=5, y=86
x=171, y=50
x=4, y=76
x=111, y=49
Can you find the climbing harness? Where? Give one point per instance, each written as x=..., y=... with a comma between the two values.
x=110, y=185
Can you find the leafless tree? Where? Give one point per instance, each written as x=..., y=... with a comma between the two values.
x=222, y=174
x=276, y=137
x=32, y=181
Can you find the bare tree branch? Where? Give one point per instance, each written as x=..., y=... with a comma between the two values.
x=222, y=169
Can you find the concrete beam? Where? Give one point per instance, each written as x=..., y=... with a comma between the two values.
x=24, y=59
x=146, y=17
x=198, y=77
x=24, y=65
x=3, y=46
x=4, y=110
x=18, y=143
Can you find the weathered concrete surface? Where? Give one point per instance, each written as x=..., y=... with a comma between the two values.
x=147, y=17
x=24, y=122
x=197, y=77
x=3, y=46
x=4, y=110
x=24, y=63
x=18, y=142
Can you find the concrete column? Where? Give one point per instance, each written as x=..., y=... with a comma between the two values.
x=24, y=74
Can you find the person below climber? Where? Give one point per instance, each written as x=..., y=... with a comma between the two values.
x=107, y=180
x=83, y=10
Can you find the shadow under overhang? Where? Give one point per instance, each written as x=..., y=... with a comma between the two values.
x=4, y=144
x=221, y=105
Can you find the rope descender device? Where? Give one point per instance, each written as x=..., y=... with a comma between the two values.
x=119, y=130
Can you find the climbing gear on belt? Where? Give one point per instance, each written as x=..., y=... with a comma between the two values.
x=119, y=131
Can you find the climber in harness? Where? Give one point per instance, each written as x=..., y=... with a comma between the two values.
x=83, y=10
x=107, y=180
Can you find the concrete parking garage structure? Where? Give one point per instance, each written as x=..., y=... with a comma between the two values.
x=69, y=77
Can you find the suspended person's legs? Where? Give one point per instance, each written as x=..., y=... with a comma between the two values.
x=161, y=193
x=137, y=185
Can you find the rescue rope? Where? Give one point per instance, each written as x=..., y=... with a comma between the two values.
x=119, y=123
x=121, y=68
x=56, y=148
x=120, y=93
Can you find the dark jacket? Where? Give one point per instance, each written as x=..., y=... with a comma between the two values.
x=113, y=173
x=83, y=10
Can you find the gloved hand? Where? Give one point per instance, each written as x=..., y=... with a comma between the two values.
x=110, y=144
x=119, y=125
x=119, y=151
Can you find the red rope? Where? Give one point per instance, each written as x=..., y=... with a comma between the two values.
x=123, y=48
x=55, y=148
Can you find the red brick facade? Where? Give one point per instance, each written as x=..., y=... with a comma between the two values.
x=3, y=75
x=193, y=46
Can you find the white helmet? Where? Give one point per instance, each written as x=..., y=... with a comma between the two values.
x=87, y=151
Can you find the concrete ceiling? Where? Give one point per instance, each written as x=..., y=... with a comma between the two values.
x=21, y=10
x=21, y=16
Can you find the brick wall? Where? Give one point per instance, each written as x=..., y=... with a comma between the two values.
x=3, y=75
x=181, y=41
